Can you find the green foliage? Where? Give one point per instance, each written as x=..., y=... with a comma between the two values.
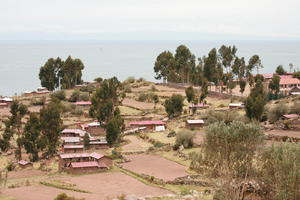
x=255, y=62
x=74, y=96
x=60, y=94
x=114, y=129
x=171, y=134
x=98, y=79
x=32, y=138
x=242, y=84
x=86, y=140
x=274, y=84
x=190, y=93
x=256, y=101
x=164, y=62
x=280, y=171
x=227, y=116
x=280, y=70
x=184, y=138
x=204, y=90
x=229, y=149
x=127, y=88
x=49, y=73
x=88, y=88
x=58, y=73
x=145, y=96
x=174, y=105
x=38, y=101
x=296, y=75
x=277, y=111
x=51, y=126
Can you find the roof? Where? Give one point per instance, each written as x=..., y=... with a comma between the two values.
x=287, y=81
x=200, y=105
x=7, y=99
x=291, y=116
x=98, y=142
x=144, y=123
x=84, y=164
x=24, y=162
x=71, y=139
x=94, y=124
x=81, y=155
x=73, y=146
x=3, y=104
x=267, y=76
x=76, y=131
x=82, y=103
x=198, y=121
x=236, y=104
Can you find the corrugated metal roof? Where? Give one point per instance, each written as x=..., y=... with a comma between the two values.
x=81, y=155
x=196, y=121
x=73, y=146
x=80, y=132
x=84, y=164
x=82, y=103
x=70, y=139
x=144, y=123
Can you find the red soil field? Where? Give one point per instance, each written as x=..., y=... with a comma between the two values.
x=155, y=166
x=102, y=186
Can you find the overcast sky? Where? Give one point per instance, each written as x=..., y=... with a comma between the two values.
x=245, y=19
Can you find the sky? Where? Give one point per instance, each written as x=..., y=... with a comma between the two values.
x=149, y=19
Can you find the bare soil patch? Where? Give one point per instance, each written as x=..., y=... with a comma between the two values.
x=26, y=173
x=102, y=186
x=199, y=137
x=155, y=166
x=284, y=133
x=137, y=104
x=135, y=144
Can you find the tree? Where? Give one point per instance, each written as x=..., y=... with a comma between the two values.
x=242, y=84
x=155, y=100
x=49, y=73
x=204, y=90
x=51, y=126
x=255, y=102
x=86, y=140
x=32, y=137
x=71, y=72
x=280, y=70
x=274, y=84
x=163, y=65
x=75, y=96
x=174, y=105
x=210, y=66
x=184, y=62
x=255, y=62
x=190, y=94
x=14, y=126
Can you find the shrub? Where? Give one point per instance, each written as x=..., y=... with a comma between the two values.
x=295, y=108
x=63, y=196
x=98, y=80
x=130, y=79
x=280, y=171
x=184, y=138
x=153, y=88
x=145, y=96
x=277, y=111
x=225, y=116
x=38, y=101
x=171, y=134
x=77, y=111
x=174, y=105
x=84, y=96
x=74, y=96
x=60, y=94
x=127, y=88
x=229, y=149
x=88, y=88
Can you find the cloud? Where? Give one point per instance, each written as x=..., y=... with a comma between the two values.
x=252, y=17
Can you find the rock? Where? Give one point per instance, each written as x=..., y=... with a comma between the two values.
x=131, y=197
x=190, y=197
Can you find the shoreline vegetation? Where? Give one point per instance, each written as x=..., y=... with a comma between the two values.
x=214, y=117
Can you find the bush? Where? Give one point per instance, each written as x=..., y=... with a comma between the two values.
x=184, y=138
x=277, y=111
x=171, y=134
x=84, y=96
x=280, y=171
x=38, y=101
x=88, y=88
x=61, y=95
x=224, y=116
x=295, y=108
x=63, y=196
x=77, y=111
x=145, y=96
x=229, y=149
x=127, y=88
x=153, y=88
x=74, y=96
x=130, y=79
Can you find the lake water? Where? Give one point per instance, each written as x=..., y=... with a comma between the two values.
x=20, y=60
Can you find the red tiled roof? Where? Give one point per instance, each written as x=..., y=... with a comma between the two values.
x=84, y=164
x=287, y=81
x=291, y=116
x=23, y=162
x=73, y=146
x=285, y=76
x=145, y=123
x=82, y=103
x=81, y=155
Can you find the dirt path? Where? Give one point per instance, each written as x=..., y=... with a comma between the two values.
x=135, y=144
x=155, y=166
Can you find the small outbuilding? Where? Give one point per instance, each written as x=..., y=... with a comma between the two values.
x=85, y=167
x=25, y=164
x=73, y=133
x=94, y=128
x=194, y=124
x=150, y=125
x=236, y=105
x=73, y=148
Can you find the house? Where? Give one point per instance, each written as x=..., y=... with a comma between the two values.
x=194, y=124
x=295, y=91
x=65, y=160
x=99, y=143
x=3, y=105
x=150, y=125
x=25, y=164
x=70, y=140
x=94, y=128
x=76, y=148
x=86, y=167
x=83, y=103
x=6, y=100
x=290, y=117
x=198, y=106
x=73, y=133
x=287, y=84
x=236, y=105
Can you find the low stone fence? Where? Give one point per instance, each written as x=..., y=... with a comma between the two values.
x=190, y=180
